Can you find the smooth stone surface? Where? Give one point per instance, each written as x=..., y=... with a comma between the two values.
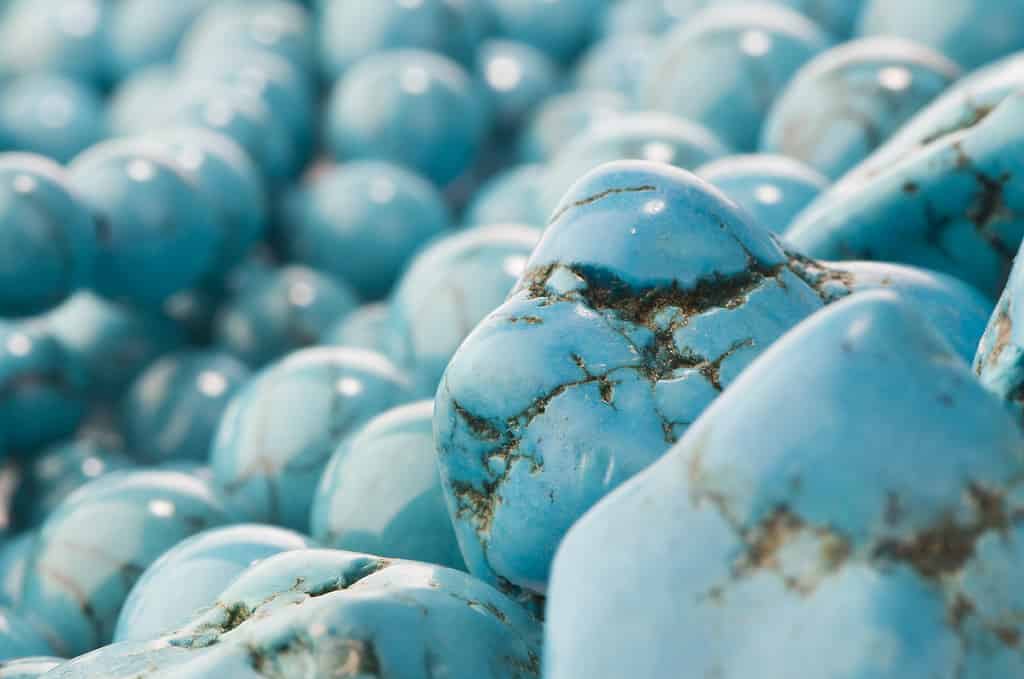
x=18, y=639
x=291, y=309
x=361, y=222
x=563, y=116
x=838, y=17
x=31, y=667
x=951, y=206
x=143, y=33
x=647, y=295
x=368, y=327
x=14, y=555
x=365, y=615
x=410, y=107
x=517, y=78
x=189, y=577
x=47, y=237
x=559, y=27
x=97, y=543
x=381, y=492
x=172, y=410
x=449, y=288
x=281, y=429
x=510, y=197
x=50, y=115
x=773, y=189
x=616, y=63
x=999, y=362
x=137, y=100
x=654, y=17
x=734, y=555
x=725, y=67
x=656, y=137
x=847, y=101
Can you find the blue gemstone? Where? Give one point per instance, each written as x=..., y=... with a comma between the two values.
x=559, y=27
x=368, y=327
x=616, y=63
x=19, y=640
x=31, y=667
x=999, y=363
x=143, y=33
x=50, y=115
x=517, y=79
x=563, y=116
x=510, y=197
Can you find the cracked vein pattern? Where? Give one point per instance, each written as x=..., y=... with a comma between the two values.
x=999, y=363
x=329, y=613
x=280, y=430
x=851, y=508
x=645, y=298
x=96, y=544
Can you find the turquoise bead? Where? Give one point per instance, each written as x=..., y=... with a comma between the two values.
x=190, y=576
x=731, y=555
x=368, y=327
x=616, y=63
x=18, y=639
x=656, y=137
x=449, y=288
x=725, y=67
x=381, y=493
x=31, y=667
x=281, y=428
x=510, y=197
x=97, y=543
x=625, y=17
x=999, y=362
x=838, y=17
x=357, y=614
x=292, y=308
x=646, y=297
x=410, y=107
x=559, y=27
x=516, y=77
x=50, y=115
x=147, y=32
x=361, y=222
x=139, y=100
x=14, y=555
x=156, y=233
x=847, y=101
x=563, y=116
x=172, y=410
x=47, y=236
x=773, y=189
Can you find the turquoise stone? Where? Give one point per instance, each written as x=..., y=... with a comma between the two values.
x=155, y=232
x=280, y=430
x=838, y=17
x=138, y=100
x=289, y=310
x=731, y=555
x=647, y=295
x=510, y=197
x=381, y=492
x=172, y=410
x=142, y=33
x=654, y=17
x=950, y=205
x=321, y=612
x=31, y=667
x=563, y=116
x=51, y=115
x=561, y=28
x=449, y=288
x=97, y=543
x=189, y=577
x=47, y=237
x=411, y=107
x=656, y=137
x=971, y=32
x=725, y=67
x=368, y=327
x=616, y=63
x=14, y=555
x=773, y=189
x=847, y=101
x=516, y=77
x=999, y=362
x=361, y=222
x=18, y=639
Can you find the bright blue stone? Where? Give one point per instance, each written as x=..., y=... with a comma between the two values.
x=173, y=409
x=559, y=27
x=724, y=68
x=143, y=33
x=368, y=327
x=449, y=288
x=381, y=492
x=362, y=222
x=847, y=101
x=292, y=309
x=50, y=115
x=410, y=107
x=616, y=63
x=31, y=667
x=156, y=233
x=18, y=639
x=773, y=189
x=47, y=237
x=647, y=296
x=280, y=430
x=97, y=543
x=517, y=79
x=511, y=197
x=790, y=534
x=189, y=577
x=564, y=116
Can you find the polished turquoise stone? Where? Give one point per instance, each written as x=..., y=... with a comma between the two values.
x=517, y=78
x=510, y=197
x=381, y=492
x=616, y=63
x=999, y=362
x=794, y=510
x=139, y=100
x=31, y=667
x=559, y=27
x=18, y=639
x=563, y=116
x=14, y=555
x=625, y=17
x=838, y=17
x=282, y=427
x=51, y=115
x=96, y=544
x=143, y=33
x=368, y=327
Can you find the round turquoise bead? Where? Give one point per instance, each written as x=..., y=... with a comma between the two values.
x=156, y=233
x=172, y=410
x=560, y=28
x=19, y=640
x=362, y=222
x=142, y=33
x=97, y=543
x=31, y=667
x=410, y=107
x=140, y=99
x=280, y=430
x=368, y=327
x=47, y=236
x=449, y=288
x=14, y=554
x=510, y=197
x=999, y=362
x=291, y=309
x=773, y=189
x=838, y=17
x=516, y=77
x=190, y=576
x=653, y=17
x=564, y=116
x=616, y=63
x=725, y=67
x=381, y=493
x=51, y=115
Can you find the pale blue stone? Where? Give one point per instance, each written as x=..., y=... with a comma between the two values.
x=563, y=116
x=1000, y=359
x=31, y=667
x=368, y=327
x=838, y=17
x=138, y=100
x=616, y=63
x=147, y=32
x=559, y=27
x=511, y=197
x=626, y=17
x=517, y=79
x=18, y=639
x=51, y=115
x=14, y=554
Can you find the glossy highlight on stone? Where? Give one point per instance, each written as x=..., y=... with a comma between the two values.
x=31, y=667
